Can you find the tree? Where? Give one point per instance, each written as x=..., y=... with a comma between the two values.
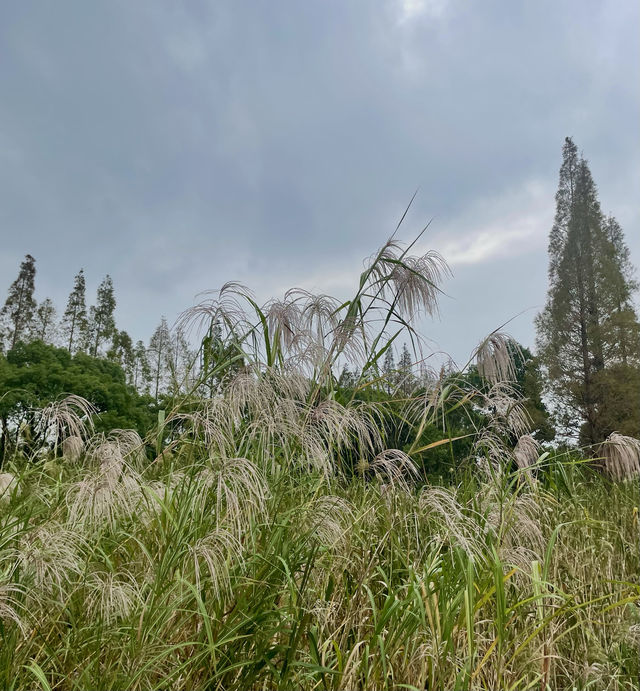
x=389, y=370
x=220, y=359
x=141, y=369
x=180, y=361
x=406, y=378
x=158, y=354
x=17, y=314
x=122, y=352
x=35, y=374
x=74, y=319
x=43, y=326
x=529, y=384
x=101, y=316
x=588, y=328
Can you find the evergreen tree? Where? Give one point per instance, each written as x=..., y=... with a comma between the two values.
x=122, y=352
x=588, y=326
x=389, y=370
x=158, y=354
x=180, y=361
x=44, y=327
x=17, y=314
x=406, y=378
x=348, y=378
x=102, y=323
x=74, y=319
x=141, y=369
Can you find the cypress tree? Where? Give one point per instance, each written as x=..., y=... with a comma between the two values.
x=74, y=319
x=17, y=314
x=588, y=328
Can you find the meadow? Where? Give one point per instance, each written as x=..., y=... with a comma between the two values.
x=283, y=532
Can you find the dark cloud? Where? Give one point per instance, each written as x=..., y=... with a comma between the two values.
x=180, y=145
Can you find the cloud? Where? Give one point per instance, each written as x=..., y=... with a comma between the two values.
x=505, y=226
x=180, y=146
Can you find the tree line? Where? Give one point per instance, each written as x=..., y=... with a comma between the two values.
x=160, y=367
x=584, y=380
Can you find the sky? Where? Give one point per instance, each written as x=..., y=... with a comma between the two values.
x=177, y=146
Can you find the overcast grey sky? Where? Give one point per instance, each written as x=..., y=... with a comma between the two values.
x=179, y=145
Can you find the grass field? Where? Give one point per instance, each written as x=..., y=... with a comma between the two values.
x=267, y=537
x=199, y=573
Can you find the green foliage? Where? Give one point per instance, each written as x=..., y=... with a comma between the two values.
x=589, y=324
x=101, y=317
x=74, y=320
x=312, y=583
x=17, y=314
x=44, y=327
x=530, y=384
x=35, y=374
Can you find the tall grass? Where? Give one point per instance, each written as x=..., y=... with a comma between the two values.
x=267, y=537
x=218, y=576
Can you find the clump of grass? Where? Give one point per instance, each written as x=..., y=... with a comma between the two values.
x=276, y=542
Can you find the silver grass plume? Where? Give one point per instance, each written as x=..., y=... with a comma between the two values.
x=621, y=456
x=494, y=359
x=441, y=505
x=72, y=448
x=70, y=417
x=104, y=496
x=526, y=454
x=409, y=282
x=394, y=467
x=506, y=406
x=50, y=554
x=526, y=451
x=111, y=597
x=8, y=485
x=9, y=606
x=329, y=518
x=215, y=553
x=239, y=489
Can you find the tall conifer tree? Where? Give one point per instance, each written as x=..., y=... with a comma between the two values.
x=406, y=378
x=141, y=369
x=43, y=326
x=389, y=370
x=17, y=314
x=102, y=323
x=74, y=319
x=588, y=328
x=159, y=356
